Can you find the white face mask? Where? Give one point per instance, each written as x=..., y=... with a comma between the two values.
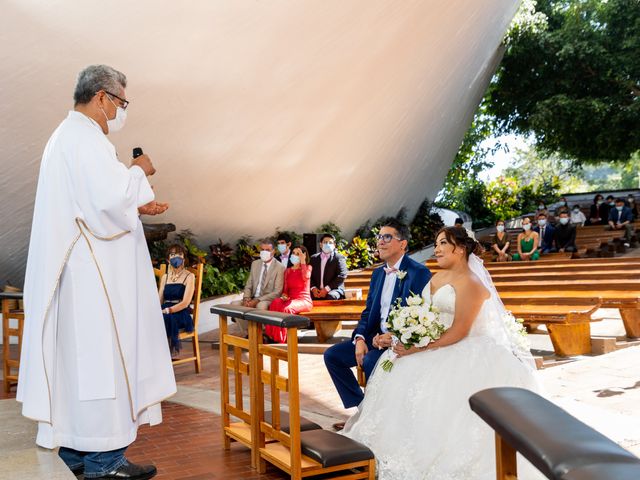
x=564, y=220
x=265, y=255
x=527, y=227
x=500, y=228
x=118, y=122
x=542, y=222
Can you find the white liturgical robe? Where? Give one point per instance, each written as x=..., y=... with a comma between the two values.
x=95, y=361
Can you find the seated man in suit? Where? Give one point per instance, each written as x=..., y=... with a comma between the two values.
x=564, y=236
x=384, y=288
x=328, y=272
x=621, y=218
x=283, y=244
x=545, y=233
x=264, y=284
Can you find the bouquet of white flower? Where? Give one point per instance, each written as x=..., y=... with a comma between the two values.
x=516, y=332
x=417, y=323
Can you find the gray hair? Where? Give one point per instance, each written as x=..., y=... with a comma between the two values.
x=266, y=241
x=95, y=78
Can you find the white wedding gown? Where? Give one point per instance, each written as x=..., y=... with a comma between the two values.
x=416, y=418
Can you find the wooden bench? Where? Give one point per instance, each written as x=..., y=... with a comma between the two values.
x=557, y=444
x=327, y=317
x=566, y=320
x=10, y=364
x=620, y=294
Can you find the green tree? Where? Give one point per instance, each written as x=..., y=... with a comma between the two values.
x=574, y=81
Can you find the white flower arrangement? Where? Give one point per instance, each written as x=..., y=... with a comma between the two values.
x=415, y=324
x=516, y=331
x=401, y=274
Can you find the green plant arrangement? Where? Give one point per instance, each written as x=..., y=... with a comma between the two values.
x=358, y=253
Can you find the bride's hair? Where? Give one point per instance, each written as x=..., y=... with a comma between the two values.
x=459, y=237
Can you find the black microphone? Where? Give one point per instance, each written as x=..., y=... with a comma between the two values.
x=137, y=151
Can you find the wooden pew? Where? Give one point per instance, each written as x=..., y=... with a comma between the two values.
x=327, y=317
x=567, y=320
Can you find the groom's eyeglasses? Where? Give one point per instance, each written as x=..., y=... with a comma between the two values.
x=386, y=238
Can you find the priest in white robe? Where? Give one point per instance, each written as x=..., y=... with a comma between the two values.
x=95, y=362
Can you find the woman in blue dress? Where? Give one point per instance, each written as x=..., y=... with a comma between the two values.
x=176, y=292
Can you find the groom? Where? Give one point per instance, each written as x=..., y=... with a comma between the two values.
x=399, y=277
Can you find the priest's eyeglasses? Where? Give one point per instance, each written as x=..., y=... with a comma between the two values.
x=125, y=103
x=386, y=238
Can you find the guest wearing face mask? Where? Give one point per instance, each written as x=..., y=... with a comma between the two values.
x=527, y=243
x=545, y=230
x=631, y=203
x=283, y=244
x=577, y=217
x=620, y=218
x=329, y=271
x=564, y=236
x=542, y=209
x=264, y=284
x=176, y=292
x=295, y=296
x=501, y=243
x=608, y=205
x=596, y=211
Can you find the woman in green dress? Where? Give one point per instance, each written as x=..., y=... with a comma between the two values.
x=527, y=243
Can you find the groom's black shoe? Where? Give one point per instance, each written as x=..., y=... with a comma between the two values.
x=131, y=471
x=338, y=426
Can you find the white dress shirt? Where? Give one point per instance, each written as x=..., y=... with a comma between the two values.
x=265, y=267
x=386, y=299
x=284, y=259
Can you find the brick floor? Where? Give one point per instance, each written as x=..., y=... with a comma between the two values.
x=187, y=445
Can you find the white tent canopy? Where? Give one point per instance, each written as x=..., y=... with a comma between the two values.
x=257, y=114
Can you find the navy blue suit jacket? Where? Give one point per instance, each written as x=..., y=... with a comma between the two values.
x=414, y=282
x=624, y=216
x=547, y=241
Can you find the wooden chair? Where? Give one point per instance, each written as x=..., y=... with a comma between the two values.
x=160, y=272
x=195, y=313
x=10, y=365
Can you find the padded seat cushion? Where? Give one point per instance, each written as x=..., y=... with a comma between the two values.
x=278, y=319
x=601, y=471
x=331, y=449
x=233, y=311
x=546, y=435
x=305, y=424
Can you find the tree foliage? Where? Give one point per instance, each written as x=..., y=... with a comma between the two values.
x=573, y=81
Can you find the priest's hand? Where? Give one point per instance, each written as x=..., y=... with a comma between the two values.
x=144, y=162
x=153, y=208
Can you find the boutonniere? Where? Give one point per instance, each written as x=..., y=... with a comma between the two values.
x=401, y=274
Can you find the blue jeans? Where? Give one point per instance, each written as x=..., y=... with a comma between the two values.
x=96, y=464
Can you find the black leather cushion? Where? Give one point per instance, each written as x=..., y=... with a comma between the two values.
x=235, y=311
x=331, y=449
x=279, y=319
x=551, y=439
x=605, y=471
x=305, y=424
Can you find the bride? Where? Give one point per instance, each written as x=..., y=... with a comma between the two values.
x=416, y=418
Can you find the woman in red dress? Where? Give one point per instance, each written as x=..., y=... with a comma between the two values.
x=296, y=296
